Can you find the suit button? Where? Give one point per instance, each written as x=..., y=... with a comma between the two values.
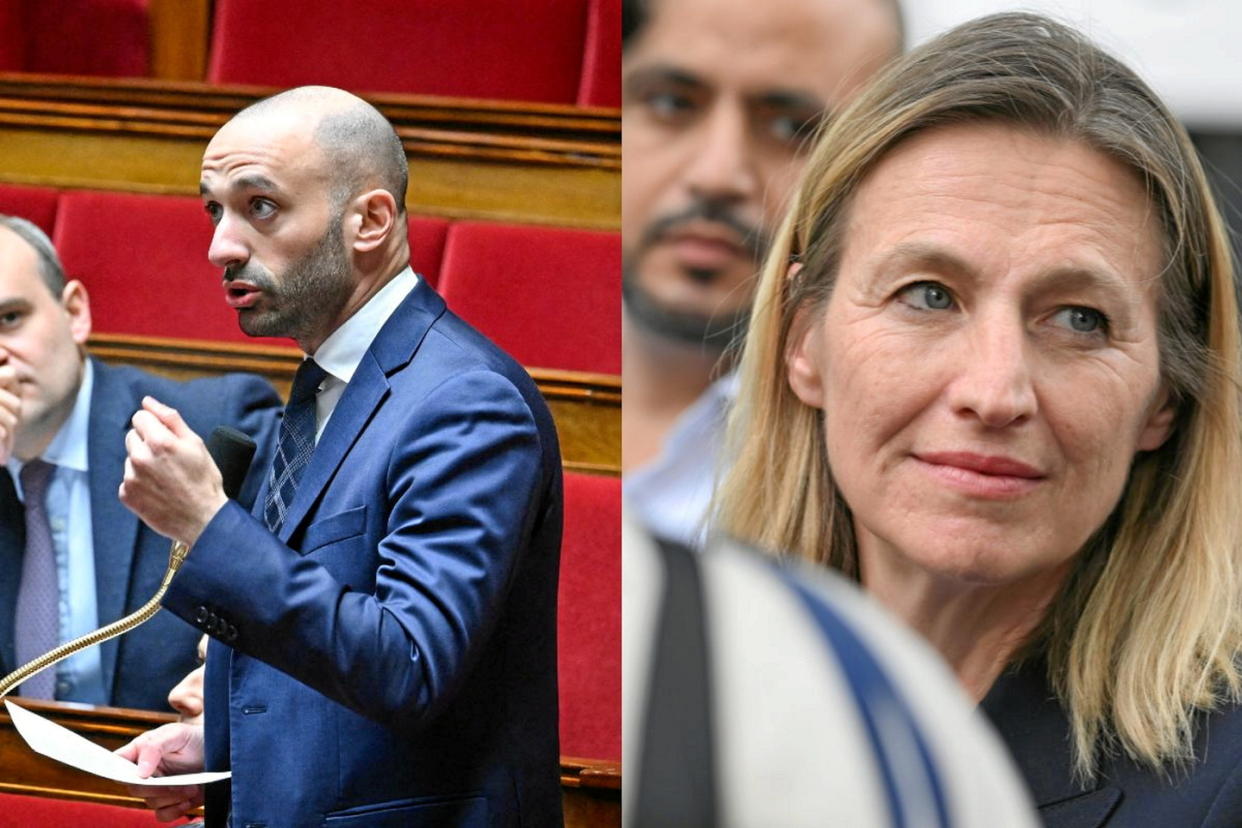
x=201, y=615
x=230, y=634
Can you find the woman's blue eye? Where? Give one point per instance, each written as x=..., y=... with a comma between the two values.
x=1082, y=320
x=927, y=296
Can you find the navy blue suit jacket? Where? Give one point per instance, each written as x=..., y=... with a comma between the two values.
x=140, y=667
x=392, y=654
x=1207, y=794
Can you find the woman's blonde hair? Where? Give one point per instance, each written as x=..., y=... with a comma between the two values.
x=1147, y=627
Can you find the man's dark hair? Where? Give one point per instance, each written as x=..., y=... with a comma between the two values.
x=50, y=269
x=633, y=18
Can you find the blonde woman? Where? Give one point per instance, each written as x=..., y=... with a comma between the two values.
x=993, y=375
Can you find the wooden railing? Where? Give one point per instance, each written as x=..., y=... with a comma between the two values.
x=493, y=160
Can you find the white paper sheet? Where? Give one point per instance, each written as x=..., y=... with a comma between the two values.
x=63, y=745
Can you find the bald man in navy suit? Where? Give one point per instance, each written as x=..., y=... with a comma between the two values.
x=384, y=624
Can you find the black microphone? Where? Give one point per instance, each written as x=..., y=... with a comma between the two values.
x=232, y=451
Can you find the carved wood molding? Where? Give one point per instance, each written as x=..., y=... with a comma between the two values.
x=469, y=159
x=534, y=133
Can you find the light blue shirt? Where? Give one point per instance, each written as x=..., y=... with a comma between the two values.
x=80, y=677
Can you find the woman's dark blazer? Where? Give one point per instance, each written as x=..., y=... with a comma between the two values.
x=1206, y=793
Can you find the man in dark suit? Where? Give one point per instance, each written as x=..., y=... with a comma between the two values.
x=86, y=560
x=384, y=624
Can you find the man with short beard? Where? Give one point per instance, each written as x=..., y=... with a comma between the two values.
x=384, y=626
x=719, y=98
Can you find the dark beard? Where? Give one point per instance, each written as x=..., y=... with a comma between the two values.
x=711, y=332
x=308, y=296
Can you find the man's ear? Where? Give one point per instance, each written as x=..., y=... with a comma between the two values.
x=375, y=217
x=804, y=354
x=1159, y=423
x=77, y=304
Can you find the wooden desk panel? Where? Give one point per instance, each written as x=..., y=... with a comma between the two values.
x=591, y=788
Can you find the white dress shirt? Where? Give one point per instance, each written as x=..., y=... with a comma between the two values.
x=670, y=495
x=344, y=348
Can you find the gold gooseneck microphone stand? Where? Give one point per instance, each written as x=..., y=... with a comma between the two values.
x=232, y=452
x=175, y=558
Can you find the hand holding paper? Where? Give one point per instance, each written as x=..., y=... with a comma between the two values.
x=63, y=745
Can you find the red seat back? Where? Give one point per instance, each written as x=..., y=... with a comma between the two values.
x=548, y=296
x=143, y=259
x=589, y=618
x=427, y=235
x=24, y=811
x=87, y=37
x=12, y=52
x=601, y=60
x=464, y=48
x=36, y=204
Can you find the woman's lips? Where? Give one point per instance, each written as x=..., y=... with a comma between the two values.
x=980, y=475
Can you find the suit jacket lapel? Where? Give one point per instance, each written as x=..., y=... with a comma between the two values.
x=12, y=551
x=1031, y=722
x=394, y=346
x=114, y=528
x=364, y=393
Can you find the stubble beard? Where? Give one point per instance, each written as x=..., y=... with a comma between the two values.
x=308, y=296
x=712, y=333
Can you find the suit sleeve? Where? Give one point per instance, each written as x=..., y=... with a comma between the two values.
x=462, y=481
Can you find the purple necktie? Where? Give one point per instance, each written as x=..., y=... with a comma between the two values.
x=37, y=628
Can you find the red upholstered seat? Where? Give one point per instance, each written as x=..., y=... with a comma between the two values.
x=27, y=811
x=549, y=296
x=464, y=48
x=12, y=53
x=36, y=204
x=427, y=235
x=143, y=259
x=87, y=37
x=589, y=618
x=601, y=60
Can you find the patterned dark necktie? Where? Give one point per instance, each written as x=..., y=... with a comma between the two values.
x=297, y=442
x=37, y=628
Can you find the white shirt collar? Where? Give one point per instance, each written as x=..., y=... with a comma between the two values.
x=341, y=352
